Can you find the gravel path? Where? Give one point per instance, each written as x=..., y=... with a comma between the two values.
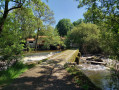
x=49, y=75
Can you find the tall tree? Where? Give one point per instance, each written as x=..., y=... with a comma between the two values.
x=5, y=5
x=42, y=14
x=100, y=10
x=79, y=21
x=8, y=5
x=85, y=37
x=27, y=22
x=63, y=26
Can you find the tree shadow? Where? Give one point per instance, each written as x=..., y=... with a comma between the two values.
x=44, y=79
x=44, y=82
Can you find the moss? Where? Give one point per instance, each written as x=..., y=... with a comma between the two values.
x=73, y=57
x=81, y=80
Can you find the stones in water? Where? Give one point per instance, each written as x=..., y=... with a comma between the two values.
x=95, y=60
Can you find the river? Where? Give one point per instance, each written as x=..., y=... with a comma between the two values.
x=101, y=76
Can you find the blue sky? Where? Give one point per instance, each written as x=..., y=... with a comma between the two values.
x=65, y=9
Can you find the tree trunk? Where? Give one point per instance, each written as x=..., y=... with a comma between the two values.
x=36, y=40
x=1, y=27
x=2, y=21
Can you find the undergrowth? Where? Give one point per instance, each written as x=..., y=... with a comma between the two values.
x=13, y=72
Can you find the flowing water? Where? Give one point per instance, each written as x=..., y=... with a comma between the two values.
x=100, y=75
x=38, y=56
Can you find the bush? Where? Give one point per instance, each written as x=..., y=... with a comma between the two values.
x=109, y=42
x=85, y=37
x=10, y=44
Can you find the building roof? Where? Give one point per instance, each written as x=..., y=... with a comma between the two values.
x=30, y=39
x=42, y=36
x=33, y=39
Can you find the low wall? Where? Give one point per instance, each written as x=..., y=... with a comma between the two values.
x=74, y=57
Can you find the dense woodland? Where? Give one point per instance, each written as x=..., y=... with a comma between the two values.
x=98, y=32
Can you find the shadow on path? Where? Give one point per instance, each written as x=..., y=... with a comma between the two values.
x=48, y=76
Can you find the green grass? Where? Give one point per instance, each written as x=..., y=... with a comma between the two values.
x=13, y=72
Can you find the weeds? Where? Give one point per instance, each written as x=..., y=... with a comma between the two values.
x=13, y=72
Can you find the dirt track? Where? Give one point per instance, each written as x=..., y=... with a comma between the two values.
x=49, y=75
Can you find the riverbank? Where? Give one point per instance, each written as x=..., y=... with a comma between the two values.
x=98, y=70
x=81, y=79
x=7, y=76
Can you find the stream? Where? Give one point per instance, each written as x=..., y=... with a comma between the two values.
x=99, y=74
x=30, y=57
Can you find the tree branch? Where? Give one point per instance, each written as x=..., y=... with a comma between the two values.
x=14, y=8
x=15, y=1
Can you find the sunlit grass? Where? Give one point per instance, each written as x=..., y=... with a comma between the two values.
x=13, y=72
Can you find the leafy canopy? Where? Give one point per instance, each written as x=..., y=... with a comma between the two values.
x=63, y=26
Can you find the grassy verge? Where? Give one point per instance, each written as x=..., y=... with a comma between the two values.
x=81, y=80
x=13, y=72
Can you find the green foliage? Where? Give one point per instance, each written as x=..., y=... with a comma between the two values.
x=105, y=14
x=27, y=22
x=86, y=36
x=63, y=26
x=109, y=43
x=21, y=23
x=10, y=40
x=79, y=21
x=52, y=37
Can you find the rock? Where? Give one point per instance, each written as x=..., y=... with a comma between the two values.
x=98, y=60
x=98, y=63
x=90, y=58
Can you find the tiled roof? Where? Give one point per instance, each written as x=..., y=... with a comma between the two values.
x=30, y=39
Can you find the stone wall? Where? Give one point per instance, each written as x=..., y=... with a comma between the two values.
x=4, y=65
x=74, y=57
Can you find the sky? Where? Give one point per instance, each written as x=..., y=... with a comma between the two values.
x=65, y=9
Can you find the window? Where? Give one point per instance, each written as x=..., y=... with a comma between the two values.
x=30, y=41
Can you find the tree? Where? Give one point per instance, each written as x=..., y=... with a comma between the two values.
x=86, y=36
x=26, y=21
x=51, y=37
x=63, y=26
x=5, y=4
x=11, y=39
x=42, y=15
x=99, y=11
x=79, y=21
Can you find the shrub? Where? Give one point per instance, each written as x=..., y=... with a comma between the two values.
x=10, y=44
x=86, y=37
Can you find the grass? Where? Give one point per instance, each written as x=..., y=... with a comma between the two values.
x=13, y=72
x=81, y=80
x=44, y=60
